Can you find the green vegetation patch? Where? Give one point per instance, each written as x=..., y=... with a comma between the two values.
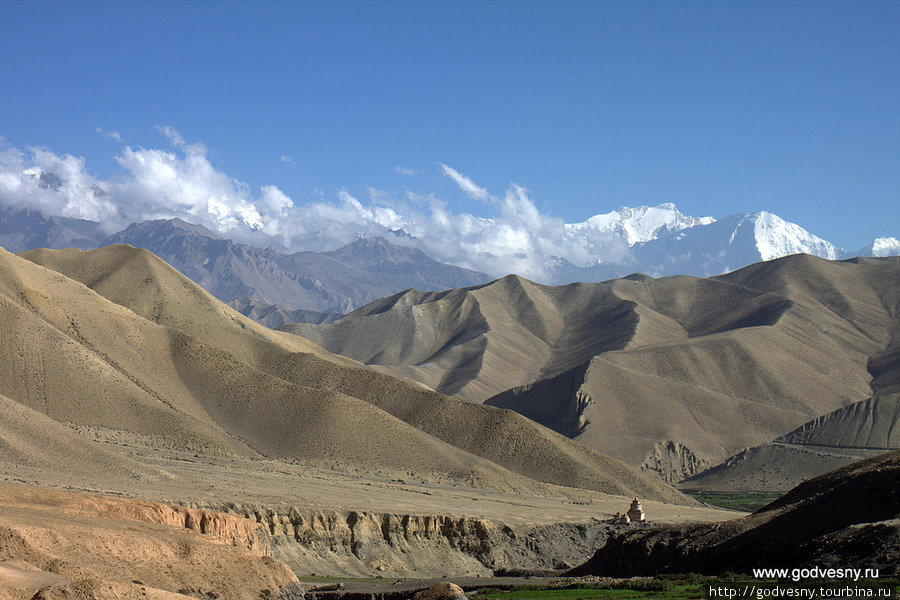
x=745, y=501
x=678, y=587
x=623, y=589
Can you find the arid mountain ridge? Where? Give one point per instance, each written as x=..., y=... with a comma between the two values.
x=850, y=433
x=274, y=286
x=523, y=357
x=268, y=282
x=630, y=366
x=118, y=340
x=115, y=344
x=120, y=375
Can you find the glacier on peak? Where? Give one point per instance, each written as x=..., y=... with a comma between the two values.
x=638, y=224
x=661, y=241
x=776, y=237
x=882, y=246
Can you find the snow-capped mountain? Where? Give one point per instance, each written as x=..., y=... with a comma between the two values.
x=776, y=237
x=634, y=225
x=727, y=244
x=882, y=246
x=657, y=240
x=661, y=241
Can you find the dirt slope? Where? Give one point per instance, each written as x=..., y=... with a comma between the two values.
x=476, y=342
x=121, y=371
x=208, y=373
x=846, y=435
x=825, y=443
x=628, y=366
x=31, y=439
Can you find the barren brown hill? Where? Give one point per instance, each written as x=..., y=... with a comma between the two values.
x=629, y=365
x=274, y=316
x=149, y=352
x=856, y=431
x=30, y=440
x=475, y=342
x=848, y=518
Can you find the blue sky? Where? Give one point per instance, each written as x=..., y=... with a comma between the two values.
x=718, y=107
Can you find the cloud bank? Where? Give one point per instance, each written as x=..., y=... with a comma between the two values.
x=180, y=181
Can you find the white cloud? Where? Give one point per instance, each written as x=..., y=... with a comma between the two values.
x=53, y=184
x=406, y=172
x=163, y=183
x=172, y=135
x=287, y=159
x=155, y=184
x=466, y=184
x=180, y=181
x=110, y=134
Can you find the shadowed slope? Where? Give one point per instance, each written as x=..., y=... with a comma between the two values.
x=625, y=366
x=844, y=518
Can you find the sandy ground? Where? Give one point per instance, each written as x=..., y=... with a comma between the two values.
x=203, y=479
x=67, y=546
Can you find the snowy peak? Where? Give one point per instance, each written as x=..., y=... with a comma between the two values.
x=639, y=224
x=882, y=246
x=660, y=240
x=730, y=243
x=776, y=237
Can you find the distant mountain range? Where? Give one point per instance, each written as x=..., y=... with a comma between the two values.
x=28, y=229
x=327, y=282
x=662, y=241
x=270, y=284
x=257, y=281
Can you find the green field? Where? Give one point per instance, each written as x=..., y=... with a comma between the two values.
x=585, y=593
x=745, y=501
x=678, y=587
x=622, y=589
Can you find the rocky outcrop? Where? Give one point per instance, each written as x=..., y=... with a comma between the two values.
x=673, y=461
x=228, y=529
x=366, y=543
x=442, y=591
x=56, y=545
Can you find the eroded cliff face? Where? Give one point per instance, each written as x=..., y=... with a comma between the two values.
x=227, y=529
x=556, y=402
x=672, y=461
x=357, y=543
x=59, y=544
